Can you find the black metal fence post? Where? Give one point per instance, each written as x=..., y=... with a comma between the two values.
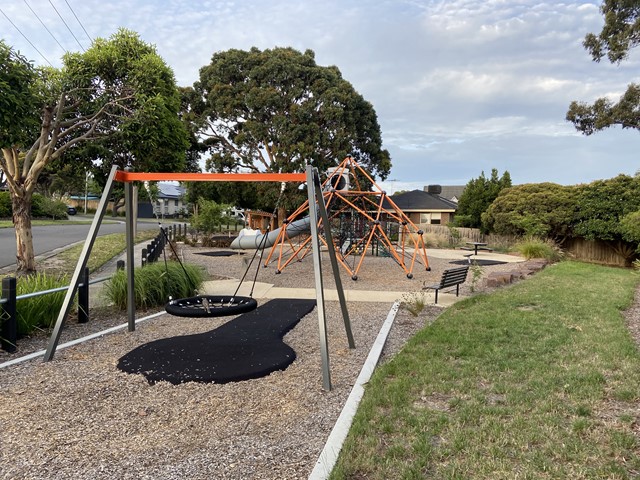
x=9, y=330
x=83, y=297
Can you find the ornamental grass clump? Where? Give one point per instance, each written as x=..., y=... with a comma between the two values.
x=413, y=302
x=534, y=247
x=40, y=312
x=155, y=283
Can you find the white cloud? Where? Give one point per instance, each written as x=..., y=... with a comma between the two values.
x=458, y=85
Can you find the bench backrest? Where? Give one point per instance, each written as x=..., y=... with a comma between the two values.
x=453, y=276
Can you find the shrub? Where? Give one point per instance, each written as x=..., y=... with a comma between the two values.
x=55, y=209
x=455, y=235
x=533, y=247
x=43, y=207
x=210, y=216
x=37, y=206
x=155, y=283
x=5, y=205
x=476, y=274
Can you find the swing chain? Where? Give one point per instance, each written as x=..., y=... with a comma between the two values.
x=263, y=241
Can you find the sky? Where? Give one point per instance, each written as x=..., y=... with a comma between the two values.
x=459, y=86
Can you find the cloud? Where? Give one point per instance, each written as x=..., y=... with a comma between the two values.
x=458, y=85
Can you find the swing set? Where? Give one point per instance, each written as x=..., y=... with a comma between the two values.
x=220, y=305
x=209, y=305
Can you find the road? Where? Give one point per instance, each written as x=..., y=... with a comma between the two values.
x=51, y=237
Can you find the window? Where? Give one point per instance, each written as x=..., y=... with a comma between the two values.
x=431, y=218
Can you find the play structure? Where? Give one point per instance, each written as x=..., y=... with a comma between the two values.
x=316, y=209
x=362, y=220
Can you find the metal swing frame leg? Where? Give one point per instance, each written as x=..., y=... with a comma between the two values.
x=316, y=205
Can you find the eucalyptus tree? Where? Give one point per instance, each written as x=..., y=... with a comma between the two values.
x=120, y=88
x=620, y=34
x=277, y=111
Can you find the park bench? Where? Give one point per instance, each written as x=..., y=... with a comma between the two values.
x=450, y=278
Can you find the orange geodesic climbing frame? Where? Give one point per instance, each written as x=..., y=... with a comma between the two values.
x=370, y=217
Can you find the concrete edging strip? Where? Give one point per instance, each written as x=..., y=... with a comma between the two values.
x=329, y=455
x=40, y=353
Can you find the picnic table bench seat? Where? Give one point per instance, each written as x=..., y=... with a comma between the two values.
x=452, y=277
x=471, y=249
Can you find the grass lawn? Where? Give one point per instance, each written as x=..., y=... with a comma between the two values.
x=104, y=249
x=537, y=380
x=8, y=223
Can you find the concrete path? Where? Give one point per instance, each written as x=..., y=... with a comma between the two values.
x=268, y=291
x=451, y=254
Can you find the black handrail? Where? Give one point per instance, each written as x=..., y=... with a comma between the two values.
x=9, y=300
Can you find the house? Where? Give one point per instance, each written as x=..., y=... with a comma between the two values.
x=170, y=202
x=450, y=192
x=423, y=207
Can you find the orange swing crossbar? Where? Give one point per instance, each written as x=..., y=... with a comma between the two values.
x=124, y=176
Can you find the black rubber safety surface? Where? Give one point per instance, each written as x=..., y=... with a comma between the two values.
x=220, y=253
x=482, y=263
x=249, y=346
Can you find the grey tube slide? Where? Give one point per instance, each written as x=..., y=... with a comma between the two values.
x=244, y=241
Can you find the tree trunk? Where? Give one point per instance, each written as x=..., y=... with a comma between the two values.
x=25, y=255
x=282, y=216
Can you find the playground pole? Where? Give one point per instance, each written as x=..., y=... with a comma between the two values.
x=82, y=263
x=130, y=219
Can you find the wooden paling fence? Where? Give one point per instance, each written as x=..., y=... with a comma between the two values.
x=461, y=234
x=593, y=251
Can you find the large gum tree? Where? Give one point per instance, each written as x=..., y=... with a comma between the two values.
x=620, y=34
x=119, y=88
x=276, y=110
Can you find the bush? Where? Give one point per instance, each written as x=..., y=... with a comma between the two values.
x=55, y=209
x=210, y=217
x=42, y=311
x=37, y=206
x=532, y=247
x=44, y=207
x=155, y=283
x=5, y=205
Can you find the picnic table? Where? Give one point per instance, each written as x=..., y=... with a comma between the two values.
x=475, y=246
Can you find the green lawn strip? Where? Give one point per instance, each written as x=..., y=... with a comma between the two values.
x=538, y=380
x=104, y=249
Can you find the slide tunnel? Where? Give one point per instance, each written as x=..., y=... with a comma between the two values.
x=293, y=229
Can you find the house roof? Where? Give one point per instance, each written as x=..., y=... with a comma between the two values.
x=170, y=190
x=450, y=191
x=419, y=200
